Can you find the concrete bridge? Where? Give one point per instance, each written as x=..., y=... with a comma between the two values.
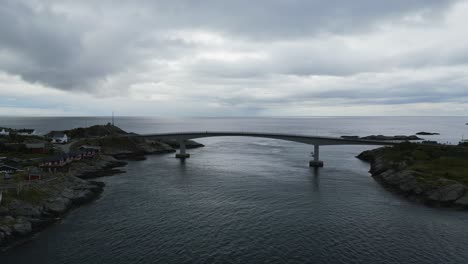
x=310, y=140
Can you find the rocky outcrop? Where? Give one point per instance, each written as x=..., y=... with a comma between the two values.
x=463, y=201
x=22, y=227
x=175, y=144
x=400, y=178
x=121, y=145
x=133, y=148
x=382, y=137
x=21, y=218
x=423, y=133
x=92, y=131
x=103, y=165
x=138, y=148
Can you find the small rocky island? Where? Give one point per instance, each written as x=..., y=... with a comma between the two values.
x=423, y=133
x=383, y=137
x=43, y=177
x=436, y=175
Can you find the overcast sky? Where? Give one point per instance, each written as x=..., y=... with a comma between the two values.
x=234, y=58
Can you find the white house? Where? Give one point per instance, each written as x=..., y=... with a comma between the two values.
x=8, y=169
x=3, y=132
x=26, y=132
x=59, y=138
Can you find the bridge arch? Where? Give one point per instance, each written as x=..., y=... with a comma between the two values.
x=317, y=141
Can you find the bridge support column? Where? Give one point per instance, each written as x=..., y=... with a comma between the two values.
x=316, y=163
x=182, y=150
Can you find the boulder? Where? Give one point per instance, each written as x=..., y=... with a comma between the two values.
x=67, y=193
x=8, y=219
x=387, y=176
x=22, y=228
x=378, y=166
x=57, y=206
x=403, y=179
x=82, y=196
x=463, y=201
x=38, y=223
x=5, y=230
x=20, y=208
x=447, y=193
x=410, y=184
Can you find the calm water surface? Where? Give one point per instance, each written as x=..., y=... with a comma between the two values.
x=250, y=200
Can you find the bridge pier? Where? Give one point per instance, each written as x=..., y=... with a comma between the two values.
x=182, y=150
x=316, y=163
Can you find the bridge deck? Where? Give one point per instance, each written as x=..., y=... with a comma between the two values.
x=306, y=139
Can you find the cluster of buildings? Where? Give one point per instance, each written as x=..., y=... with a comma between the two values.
x=21, y=132
x=56, y=163
x=60, y=162
x=34, y=167
x=54, y=137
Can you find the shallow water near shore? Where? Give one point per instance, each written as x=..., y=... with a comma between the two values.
x=251, y=200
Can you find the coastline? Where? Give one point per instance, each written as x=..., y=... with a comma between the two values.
x=398, y=177
x=20, y=220
x=18, y=225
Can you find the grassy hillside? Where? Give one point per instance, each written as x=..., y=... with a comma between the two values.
x=93, y=131
x=432, y=163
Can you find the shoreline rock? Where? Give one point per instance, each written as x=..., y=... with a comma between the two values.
x=382, y=137
x=399, y=137
x=19, y=219
x=427, y=133
x=45, y=202
x=105, y=166
x=397, y=177
x=128, y=148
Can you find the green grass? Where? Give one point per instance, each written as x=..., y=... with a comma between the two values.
x=432, y=163
x=33, y=196
x=29, y=195
x=443, y=167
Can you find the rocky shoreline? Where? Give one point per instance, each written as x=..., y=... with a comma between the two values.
x=382, y=137
x=20, y=219
x=400, y=178
x=30, y=206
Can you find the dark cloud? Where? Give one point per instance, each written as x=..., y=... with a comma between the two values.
x=273, y=19
x=75, y=45
x=61, y=51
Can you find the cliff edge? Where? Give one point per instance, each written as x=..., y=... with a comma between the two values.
x=436, y=175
